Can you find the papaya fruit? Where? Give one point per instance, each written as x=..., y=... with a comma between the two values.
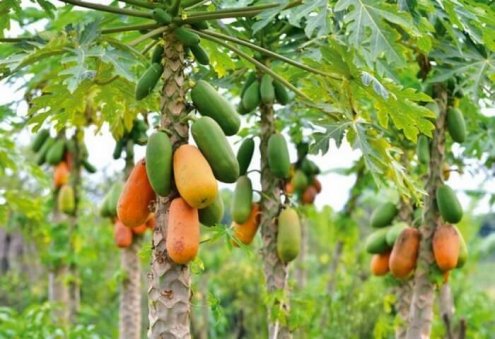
x=137, y=195
x=200, y=55
x=394, y=231
x=449, y=206
x=383, y=215
x=213, y=144
x=161, y=16
x=299, y=181
x=151, y=222
x=159, y=163
x=281, y=94
x=119, y=147
x=377, y=241
x=246, y=232
x=66, y=200
x=423, y=149
x=61, y=175
x=278, y=156
x=251, y=98
x=182, y=232
x=379, y=264
x=157, y=55
x=148, y=80
x=302, y=150
x=316, y=184
x=242, y=201
x=463, y=250
x=39, y=140
x=405, y=253
x=138, y=230
x=245, y=155
x=89, y=167
x=267, y=92
x=289, y=188
x=56, y=153
x=187, y=37
x=200, y=25
x=456, y=125
x=445, y=172
x=309, y=167
x=122, y=235
x=210, y=103
x=446, y=247
x=309, y=195
x=40, y=160
x=288, y=235
x=241, y=110
x=113, y=198
x=249, y=80
x=193, y=177
x=212, y=214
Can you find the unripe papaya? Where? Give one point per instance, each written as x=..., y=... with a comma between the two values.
x=244, y=155
x=113, y=198
x=212, y=215
x=119, y=147
x=187, y=37
x=309, y=195
x=193, y=177
x=138, y=230
x=216, y=149
x=245, y=232
x=56, y=153
x=281, y=94
x=463, y=250
x=383, y=215
x=289, y=235
x=243, y=199
x=137, y=195
x=249, y=80
x=309, y=167
x=122, y=235
x=299, y=181
x=405, y=253
x=39, y=140
x=278, y=156
x=40, y=160
x=251, y=98
x=379, y=264
x=423, y=149
x=157, y=56
x=161, y=16
x=182, y=232
x=377, y=241
x=159, y=163
x=210, y=103
x=450, y=208
x=200, y=55
x=446, y=247
x=89, y=167
x=394, y=232
x=61, y=175
x=456, y=125
x=66, y=199
x=148, y=81
x=200, y=25
x=267, y=91
x=302, y=150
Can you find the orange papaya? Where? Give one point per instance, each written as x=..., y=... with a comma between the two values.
x=151, y=222
x=309, y=195
x=405, y=253
x=446, y=247
x=61, y=174
x=141, y=229
x=122, y=235
x=379, y=263
x=245, y=232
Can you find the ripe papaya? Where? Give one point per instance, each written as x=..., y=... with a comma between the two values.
x=56, y=153
x=137, y=195
x=182, y=232
x=450, y=208
x=244, y=155
x=151, y=222
x=267, y=91
x=61, y=175
x=463, y=250
x=245, y=232
x=210, y=103
x=200, y=55
x=446, y=247
x=456, y=125
x=383, y=215
x=138, y=230
x=148, y=81
x=89, y=167
x=289, y=188
x=161, y=16
x=309, y=195
x=159, y=163
x=119, y=147
x=251, y=98
x=242, y=201
x=113, y=198
x=423, y=149
x=216, y=149
x=40, y=160
x=299, y=181
x=309, y=167
x=278, y=156
x=66, y=199
x=289, y=235
x=187, y=37
x=193, y=177
x=281, y=94
x=249, y=80
x=394, y=231
x=39, y=140
x=213, y=214
x=316, y=184
x=377, y=241
x=122, y=235
x=405, y=253
x=379, y=264
x=157, y=55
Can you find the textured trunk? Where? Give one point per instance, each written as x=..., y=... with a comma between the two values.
x=446, y=305
x=58, y=294
x=169, y=284
x=421, y=311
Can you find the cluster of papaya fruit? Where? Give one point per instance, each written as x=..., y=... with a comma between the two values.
x=137, y=135
x=265, y=90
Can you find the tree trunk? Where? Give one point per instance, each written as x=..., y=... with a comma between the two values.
x=446, y=305
x=58, y=294
x=275, y=270
x=421, y=312
x=170, y=284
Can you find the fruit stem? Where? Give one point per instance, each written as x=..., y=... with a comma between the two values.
x=129, y=28
x=14, y=40
x=149, y=47
x=110, y=9
x=139, y=3
x=155, y=32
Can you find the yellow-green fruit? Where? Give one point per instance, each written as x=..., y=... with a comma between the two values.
x=423, y=149
x=159, y=163
x=56, y=153
x=66, y=199
x=376, y=242
x=456, y=125
x=148, y=81
x=449, y=206
x=251, y=98
x=40, y=160
x=267, y=91
x=39, y=140
x=394, y=232
x=289, y=235
x=299, y=181
x=213, y=214
x=463, y=252
x=243, y=199
x=383, y=215
x=278, y=156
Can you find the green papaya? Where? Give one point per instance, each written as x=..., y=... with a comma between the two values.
x=267, y=91
x=299, y=181
x=249, y=80
x=302, y=150
x=70, y=146
x=449, y=206
x=383, y=215
x=251, y=98
x=376, y=242
x=212, y=214
x=66, y=199
x=463, y=252
x=210, y=103
x=159, y=163
x=289, y=235
x=243, y=199
x=278, y=156
x=186, y=37
x=423, y=149
x=104, y=208
x=200, y=25
x=119, y=147
x=309, y=167
x=394, y=231
x=89, y=167
x=113, y=197
x=39, y=140
x=148, y=81
x=40, y=160
x=244, y=155
x=281, y=94
x=241, y=110
x=216, y=149
x=200, y=55
x=157, y=56
x=456, y=125
x=84, y=151
x=161, y=16
x=56, y=153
